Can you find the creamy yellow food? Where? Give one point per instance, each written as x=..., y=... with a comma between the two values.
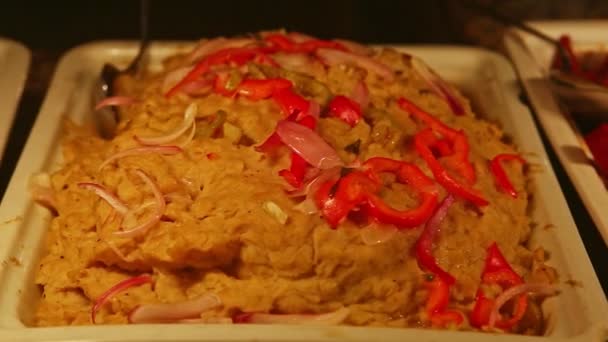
x=217, y=234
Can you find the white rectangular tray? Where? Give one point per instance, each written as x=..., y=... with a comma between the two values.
x=577, y=314
x=532, y=59
x=14, y=64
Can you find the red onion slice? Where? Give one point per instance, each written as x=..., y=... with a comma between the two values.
x=171, y=312
x=293, y=61
x=335, y=57
x=106, y=195
x=298, y=37
x=307, y=206
x=154, y=219
x=374, y=234
x=41, y=190
x=117, y=251
x=439, y=86
x=115, y=101
x=311, y=173
x=432, y=225
x=114, y=290
x=331, y=318
x=173, y=77
x=313, y=185
x=210, y=46
x=360, y=94
x=190, y=136
x=424, y=245
x=308, y=144
x=512, y=292
x=199, y=87
x=314, y=109
x=189, y=116
x=164, y=150
x=354, y=47
x=130, y=218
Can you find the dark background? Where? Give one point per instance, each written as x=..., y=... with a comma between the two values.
x=50, y=28
x=58, y=25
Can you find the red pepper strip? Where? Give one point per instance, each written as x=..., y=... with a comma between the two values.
x=439, y=295
x=437, y=303
x=350, y=191
x=443, y=319
x=505, y=278
x=219, y=85
x=333, y=211
x=443, y=148
x=346, y=109
x=279, y=42
x=566, y=43
x=308, y=121
x=244, y=317
x=409, y=174
x=501, y=176
x=482, y=310
x=283, y=43
x=314, y=44
x=295, y=175
x=264, y=59
x=458, y=160
x=360, y=188
x=480, y=315
x=402, y=218
x=496, y=262
x=597, y=141
x=422, y=141
x=279, y=89
x=293, y=106
x=238, y=56
x=427, y=118
x=272, y=142
x=290, y=102
x=455, y=155
x=519, y=310
x=406, y=172
x=255, y=89
x=497, y=271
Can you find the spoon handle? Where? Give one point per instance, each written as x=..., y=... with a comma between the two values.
x=144, y=37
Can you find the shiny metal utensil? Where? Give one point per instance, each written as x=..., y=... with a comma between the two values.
x=106, y=118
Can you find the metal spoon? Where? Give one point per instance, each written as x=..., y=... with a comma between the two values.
x=106, y=119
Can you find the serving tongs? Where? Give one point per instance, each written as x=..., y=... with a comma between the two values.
x=106, y=118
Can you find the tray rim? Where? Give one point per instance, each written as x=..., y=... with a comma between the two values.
x=114, y=332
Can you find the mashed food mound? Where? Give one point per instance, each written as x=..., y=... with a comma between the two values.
x=280, y=178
